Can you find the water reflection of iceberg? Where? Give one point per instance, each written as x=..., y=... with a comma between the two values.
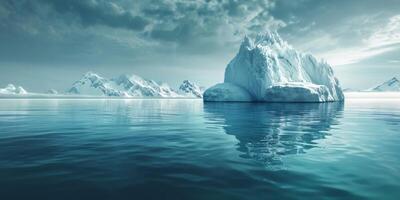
x=266, y=132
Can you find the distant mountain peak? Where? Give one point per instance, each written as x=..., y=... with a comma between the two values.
x=92, y=82
x=189, y=88
x=12, y=89
x=391, y=85
x=392, y=81
x=125, y=85
x=52, y=91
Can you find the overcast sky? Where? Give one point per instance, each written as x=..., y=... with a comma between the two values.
x=50, y=43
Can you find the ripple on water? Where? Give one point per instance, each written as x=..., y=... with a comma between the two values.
x=187, y=149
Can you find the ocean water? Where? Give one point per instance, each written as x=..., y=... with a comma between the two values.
x=187, y=149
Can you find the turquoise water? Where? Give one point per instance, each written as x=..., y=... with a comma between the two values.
x=187, y=149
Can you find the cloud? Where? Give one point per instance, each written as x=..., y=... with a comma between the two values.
x=161, y=26
x=387, y=35
x=342, y=32
x=225, y=20
x=190, y=35
x=383, y=39
x=99, y=12
x=178, y=21
x=197, y=26
x=354, y=55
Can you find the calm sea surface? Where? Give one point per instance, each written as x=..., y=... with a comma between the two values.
x=187, y=149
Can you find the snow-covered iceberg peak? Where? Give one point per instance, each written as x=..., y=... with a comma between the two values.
x=269, y=69
x=392, y=85
x=188, y=88
x=11, y=89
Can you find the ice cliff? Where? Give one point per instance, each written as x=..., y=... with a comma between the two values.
x=267, y=69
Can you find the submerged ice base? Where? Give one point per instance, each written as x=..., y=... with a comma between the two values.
x=226, y=92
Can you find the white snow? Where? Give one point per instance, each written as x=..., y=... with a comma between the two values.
x=188, y=88
x=138, y=87
x=297, y=92
x=93, y=84
x=271, y=70
x=11, y=89
x=392, y=85
x=226, y=92
x=127, y=86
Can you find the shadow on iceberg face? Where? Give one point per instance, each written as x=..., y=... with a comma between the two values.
x=268, y=132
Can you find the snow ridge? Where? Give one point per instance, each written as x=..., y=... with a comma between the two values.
x=11, y=89
x=93, y=84
x=129, y=86
x=392, y=85
x=188, y=88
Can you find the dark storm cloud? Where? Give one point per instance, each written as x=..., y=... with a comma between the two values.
x=188, y=33
x=191, y=26
x=99, y=13
x=180, y=21
x=196, y=26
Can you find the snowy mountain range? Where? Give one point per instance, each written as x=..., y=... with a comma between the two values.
x=10, y=89
x=130, y=86
x=266, y=68
x=392, y=85
x=93, y=85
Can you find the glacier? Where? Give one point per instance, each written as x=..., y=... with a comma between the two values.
x=268, y=69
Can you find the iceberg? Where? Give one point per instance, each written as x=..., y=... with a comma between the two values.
x=12, y=90
x=226, y=92
x=392, y=85
x=268, y=69
x=188, y=88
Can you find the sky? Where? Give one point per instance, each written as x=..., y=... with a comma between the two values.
x=49, y=44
